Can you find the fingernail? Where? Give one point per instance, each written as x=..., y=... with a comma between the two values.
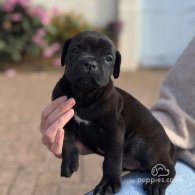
x=71, y=101
x=71, y=112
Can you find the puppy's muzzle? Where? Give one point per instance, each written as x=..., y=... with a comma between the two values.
x=90, y=66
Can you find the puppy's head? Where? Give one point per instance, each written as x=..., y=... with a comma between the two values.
x=91, y=58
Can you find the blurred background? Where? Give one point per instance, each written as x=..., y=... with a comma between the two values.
x=150, y=34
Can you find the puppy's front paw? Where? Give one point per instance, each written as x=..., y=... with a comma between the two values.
x=155, y=188
x=70, y=164
x=108, y=186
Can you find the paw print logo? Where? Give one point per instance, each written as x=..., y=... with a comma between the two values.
x=159, y=170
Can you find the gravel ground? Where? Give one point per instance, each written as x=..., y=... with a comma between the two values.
x=26, y=167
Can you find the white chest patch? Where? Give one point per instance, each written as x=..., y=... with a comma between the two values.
x=80, y=120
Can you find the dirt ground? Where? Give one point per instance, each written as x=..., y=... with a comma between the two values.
x=26, y=167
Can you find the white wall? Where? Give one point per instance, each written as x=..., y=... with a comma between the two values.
x=97, y=12
x=129, y=14
x=167, y=28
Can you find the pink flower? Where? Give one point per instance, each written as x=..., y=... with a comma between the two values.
x=55, y=11
x=23, y=3
x=51, y=50
x=46, y=19
x=36, y=11
x=41, y=14
x=38, y=38
x=7, y=7
x=10, y=72
x=57, y=62
x=10, y=4
x=16, y=17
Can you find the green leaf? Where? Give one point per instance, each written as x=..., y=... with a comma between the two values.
x=2, y=45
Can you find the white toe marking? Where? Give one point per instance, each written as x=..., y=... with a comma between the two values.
x=80, y=120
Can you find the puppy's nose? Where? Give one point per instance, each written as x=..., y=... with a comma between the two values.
x=90, y=65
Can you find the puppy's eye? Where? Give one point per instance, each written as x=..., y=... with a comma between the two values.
x=108, y=58
x=75, y=50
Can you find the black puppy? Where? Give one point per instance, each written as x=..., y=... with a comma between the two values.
x=109, y=121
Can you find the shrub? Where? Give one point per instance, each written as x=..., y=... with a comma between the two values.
x=64, y=26
x=22, y=29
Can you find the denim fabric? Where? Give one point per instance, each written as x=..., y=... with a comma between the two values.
x=183, y=183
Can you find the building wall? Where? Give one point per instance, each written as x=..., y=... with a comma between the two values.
x=98, y=12
x=155, y=32
x=167, y=26
x=129, y=15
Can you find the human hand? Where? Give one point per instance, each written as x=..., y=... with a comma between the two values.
x=53, y=119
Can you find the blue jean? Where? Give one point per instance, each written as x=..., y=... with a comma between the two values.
x=183, y=183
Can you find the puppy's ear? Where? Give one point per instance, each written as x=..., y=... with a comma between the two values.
x=64, y=51
x=117, y=65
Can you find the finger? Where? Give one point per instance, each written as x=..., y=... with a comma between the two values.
x=60, y=110
x=46, y=142
x=49, y=109
x=56, y=147
x=50, y=133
